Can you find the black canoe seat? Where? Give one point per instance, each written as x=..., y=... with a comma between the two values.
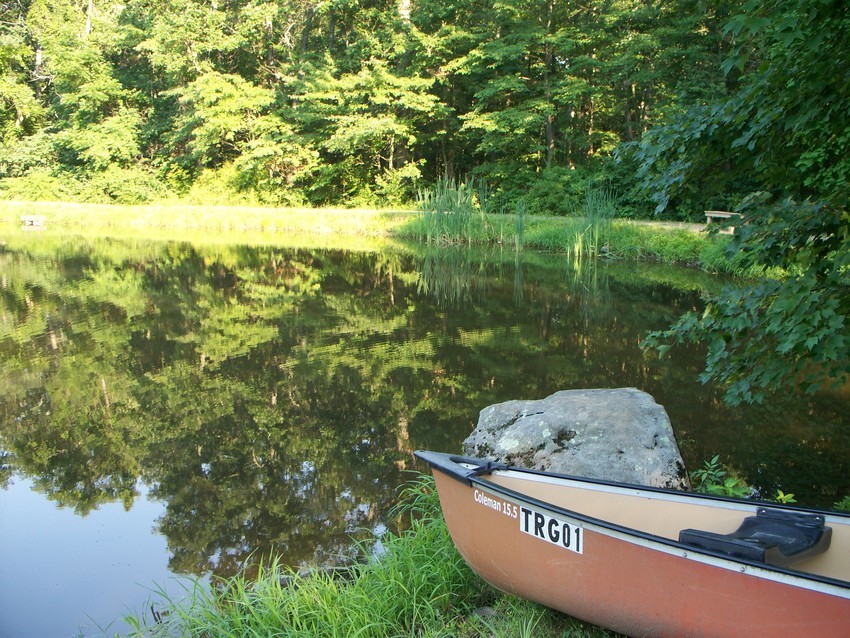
x=775, y=537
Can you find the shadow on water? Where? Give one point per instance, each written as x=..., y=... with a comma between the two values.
x=271, y=398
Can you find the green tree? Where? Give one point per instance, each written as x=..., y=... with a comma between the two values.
x=543, y=92
x=76, y=133
x=218, y=112
x=366, y=127
x=20, y=111
x=782, y=135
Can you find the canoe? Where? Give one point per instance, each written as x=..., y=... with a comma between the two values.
x=645, y=561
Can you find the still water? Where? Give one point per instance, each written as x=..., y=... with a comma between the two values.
x=173, y=408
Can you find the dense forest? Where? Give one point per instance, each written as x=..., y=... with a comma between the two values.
x=673, y=107
x=365, y=101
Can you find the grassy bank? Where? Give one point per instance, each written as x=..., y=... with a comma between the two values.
x=575, y=236
x=419, y=586
x=325, y=221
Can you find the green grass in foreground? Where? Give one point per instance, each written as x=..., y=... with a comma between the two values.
x=420, y=587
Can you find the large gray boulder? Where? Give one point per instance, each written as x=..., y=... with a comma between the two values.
x=618, y=435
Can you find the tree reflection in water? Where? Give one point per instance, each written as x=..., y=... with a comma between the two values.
x=272, y=397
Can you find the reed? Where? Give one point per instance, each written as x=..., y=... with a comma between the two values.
x=488, y=198
x=519, y=236
x=596, y=216
x=450, y=209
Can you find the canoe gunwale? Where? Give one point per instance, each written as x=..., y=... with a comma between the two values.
x=455, y=467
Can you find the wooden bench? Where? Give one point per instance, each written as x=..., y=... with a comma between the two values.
x=33, y=220
x=712, y=215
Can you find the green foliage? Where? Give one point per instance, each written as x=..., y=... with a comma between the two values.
x=365, y=125
x=843, y=505
x=711, y=472
x=780, y=137
x=398, y=186
x=274, y=165
x=111, y=142
x=770, y=335
x=112, y=185
x=714, y=478
x=552, y=191
x=783, y=128
x=40, y=187
x=218, y=187
x=782, y=497
x=36, y=153
x=348, y=102
x=219, y=112
x=127, y=185
x=717, y=479
x=21, y=112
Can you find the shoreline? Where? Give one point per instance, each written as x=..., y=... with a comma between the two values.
x=661, y=241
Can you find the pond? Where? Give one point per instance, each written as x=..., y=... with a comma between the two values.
x=180, y=408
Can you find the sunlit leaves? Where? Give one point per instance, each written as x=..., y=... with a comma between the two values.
x=365, y=124
x=113, y=140
x=274, y=161
x=219, y=112
x=20, y=111
x=186, y=38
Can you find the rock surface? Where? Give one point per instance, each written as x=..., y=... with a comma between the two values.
x=618, y=435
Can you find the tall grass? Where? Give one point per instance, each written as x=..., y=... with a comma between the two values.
x=447, y=211
x=589, y=231
x=420, y=587
x=519, y=236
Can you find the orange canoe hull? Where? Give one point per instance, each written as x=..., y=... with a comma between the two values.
x=636, y=584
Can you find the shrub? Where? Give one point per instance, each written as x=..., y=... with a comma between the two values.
x=38, y=186
x=128, y=185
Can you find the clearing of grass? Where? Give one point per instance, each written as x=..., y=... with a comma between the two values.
x=579, y=237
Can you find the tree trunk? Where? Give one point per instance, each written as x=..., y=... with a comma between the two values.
x=644, y=112
x=89, y=13
x=550, y=117
x=404, y=8
x=308, y=26
x=630, y=133
x=548, y=60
